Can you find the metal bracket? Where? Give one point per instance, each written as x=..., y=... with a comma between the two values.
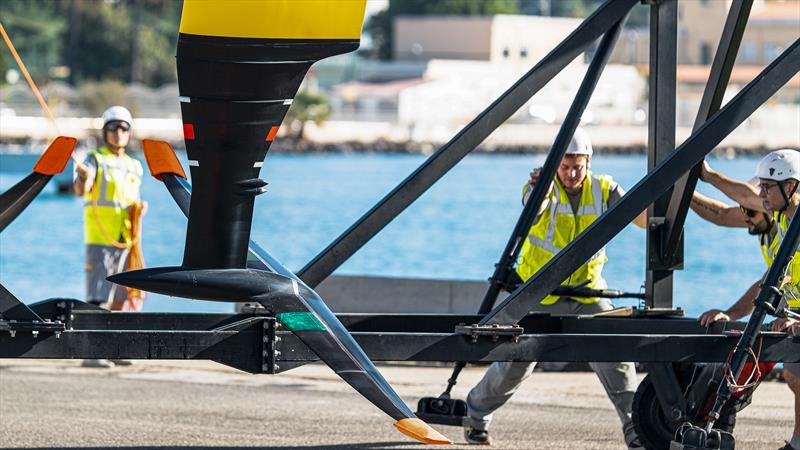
x=659, y=312
x=494, y=331
x=253, y=308
x=269, y=353
x=34, y=327
x=64, y=313
x=668, y=390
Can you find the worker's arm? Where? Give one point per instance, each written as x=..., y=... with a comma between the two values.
x=717, y=212
x=641, y=220
x=84, y=177
x=738, y=191
x=743, y=307
x=534, y=175
x=616, y=193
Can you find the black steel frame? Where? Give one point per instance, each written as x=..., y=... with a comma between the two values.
x=254, y=342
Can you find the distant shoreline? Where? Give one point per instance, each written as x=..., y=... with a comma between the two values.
x=301, y=147
x=291, y=146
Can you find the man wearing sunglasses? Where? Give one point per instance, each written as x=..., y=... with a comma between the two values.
x=109, y=182
x=758, y=223
x=776, y=192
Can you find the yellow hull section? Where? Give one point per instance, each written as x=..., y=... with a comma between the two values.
x=274, y=19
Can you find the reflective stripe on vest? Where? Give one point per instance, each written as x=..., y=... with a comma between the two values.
x=116, y=187
x=792, y=290
x=559, y=225
x=769, y=251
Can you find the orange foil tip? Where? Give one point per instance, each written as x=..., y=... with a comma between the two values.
x=161, y=159
x=56, y=156
x=421, y=431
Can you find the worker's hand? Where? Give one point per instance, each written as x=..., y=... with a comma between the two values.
x=712, y=315
x=794, y=330
x=82, y=171
x=534, y=176
x=784, y=324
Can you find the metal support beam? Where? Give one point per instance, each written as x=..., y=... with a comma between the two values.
x=438, y=164
x=654, y=184
x=549, y=347
x=251, y=342
x=243, y=349
x=660, y=143
x=714, y=92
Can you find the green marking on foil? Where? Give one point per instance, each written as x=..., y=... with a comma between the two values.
x=300, y=321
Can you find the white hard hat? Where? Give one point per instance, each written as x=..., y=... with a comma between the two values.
x=780, y=165
x=580, y=144
x=117, y=113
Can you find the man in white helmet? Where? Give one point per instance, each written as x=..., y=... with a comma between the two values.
x=776, y=193
x=576, y=198
x=758, y=223
x=109, y=181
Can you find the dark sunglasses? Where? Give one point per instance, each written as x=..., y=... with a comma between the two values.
x=118, y=126
x=748, y=212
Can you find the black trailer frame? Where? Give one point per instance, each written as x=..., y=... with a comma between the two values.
x=254, y=342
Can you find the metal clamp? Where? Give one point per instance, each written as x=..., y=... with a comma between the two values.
x=35, y=327
x=495, y=331
x=269, y=353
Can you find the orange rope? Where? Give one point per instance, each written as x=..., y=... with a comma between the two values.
x=136, y=257
x=32, y=85
x=120, y=245
x=28, y=78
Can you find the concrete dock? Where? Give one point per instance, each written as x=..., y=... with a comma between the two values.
x=203, y=405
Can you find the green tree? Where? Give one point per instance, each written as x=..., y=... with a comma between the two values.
x=379, y=26
x=35, y=28
x=306, y=106
x=125, y=40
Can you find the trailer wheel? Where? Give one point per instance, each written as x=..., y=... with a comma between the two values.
x=654, y=428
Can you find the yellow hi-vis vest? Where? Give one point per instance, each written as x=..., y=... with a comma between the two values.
x=116, y=187
x=791, y=290
x=559, y=225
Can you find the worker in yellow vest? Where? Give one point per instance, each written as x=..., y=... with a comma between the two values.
x=758, y=223
x=577, y=198
x=776, y=193
x=109, y=181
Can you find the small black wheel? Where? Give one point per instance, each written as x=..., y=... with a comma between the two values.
x=654, y=428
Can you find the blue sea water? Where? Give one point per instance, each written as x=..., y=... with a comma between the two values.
x=456, y=230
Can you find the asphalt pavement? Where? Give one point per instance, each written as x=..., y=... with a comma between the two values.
x=183, y=405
